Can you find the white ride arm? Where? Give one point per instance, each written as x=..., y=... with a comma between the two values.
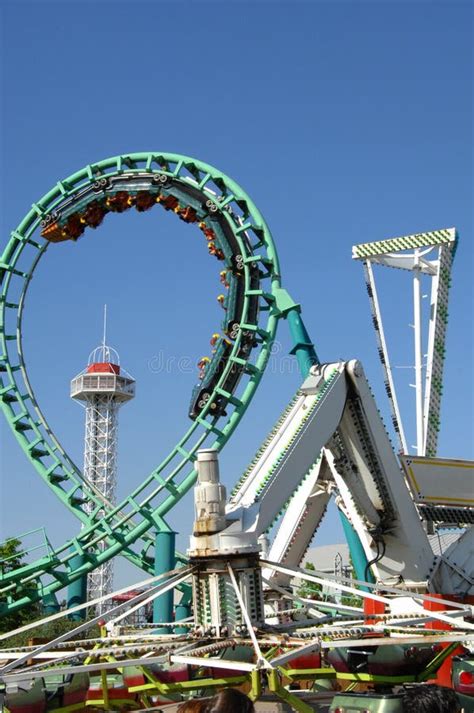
x=295, y=448
x=374, y=492
x=300, y=522
x=335, y=407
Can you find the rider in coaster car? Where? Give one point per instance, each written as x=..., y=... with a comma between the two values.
x=221, y=300
x=170, y=202
x=74, y=227
x=93, y=215
x=223, y=278
x=214, y=339
x=144, y=201
x=188, y=214
x=213, y=250
x=118, y=203
x=202, y=364
x=208, y=232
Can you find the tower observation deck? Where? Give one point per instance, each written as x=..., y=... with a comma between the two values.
x=102, y=387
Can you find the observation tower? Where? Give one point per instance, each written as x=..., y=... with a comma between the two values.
x=102, y=388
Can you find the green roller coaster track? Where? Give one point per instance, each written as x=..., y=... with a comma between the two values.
x=129, y=528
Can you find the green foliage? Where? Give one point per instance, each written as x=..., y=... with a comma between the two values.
x=310, y=590
x=48, y=632
x=11, y=557
x=352, y=600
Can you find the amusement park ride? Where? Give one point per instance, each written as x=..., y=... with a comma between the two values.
x=103, y=387
x=238, y=619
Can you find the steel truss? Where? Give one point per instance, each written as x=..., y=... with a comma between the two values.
x=429, y=254
x=100, y=469
x=127, y=527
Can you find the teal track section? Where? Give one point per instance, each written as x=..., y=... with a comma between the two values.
x=129, y=528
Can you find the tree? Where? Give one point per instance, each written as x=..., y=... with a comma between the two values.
x=11, y=557
x=351, y=600
x=310, y=590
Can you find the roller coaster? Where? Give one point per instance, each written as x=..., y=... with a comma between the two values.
x=237, y=234
x=330, y=440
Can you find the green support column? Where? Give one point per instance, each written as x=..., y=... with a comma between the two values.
x=358, y=556
x=164, y=562
x=303, y=347
x=182, y=611
x=50, y=604
x=77, y=590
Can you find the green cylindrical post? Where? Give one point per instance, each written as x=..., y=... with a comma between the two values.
x=164, y=562
x=358, y=556
x=303, y=347
x=77, y=590
x=304, y=350
x=50, y=604
x=182, y=611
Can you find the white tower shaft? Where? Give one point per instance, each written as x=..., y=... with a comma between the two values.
x=100, y=469
x=102, y=388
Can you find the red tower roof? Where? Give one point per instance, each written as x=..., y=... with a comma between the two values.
x=103, y=367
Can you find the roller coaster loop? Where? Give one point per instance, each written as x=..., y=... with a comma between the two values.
x=239, y=237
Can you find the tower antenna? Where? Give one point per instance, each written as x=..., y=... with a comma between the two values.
x=102, y=388
x=105, y=327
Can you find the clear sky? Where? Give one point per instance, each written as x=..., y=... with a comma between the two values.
x=346, y=122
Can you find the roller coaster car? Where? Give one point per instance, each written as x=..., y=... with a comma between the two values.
x=144, y=200
x=170, y=202
x=119, y=202
x=54, y=233
x=101, y=184
x=74, y=226
x=188, y=214
x=94, y=214
x=190, y=196
x=202, y=392
x=234, y=305
x=225, y=238
x=255, y=275
x=54, y=225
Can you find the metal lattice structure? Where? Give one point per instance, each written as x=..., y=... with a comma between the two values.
x=103, y=387
x=430, y=254
x=126, y=528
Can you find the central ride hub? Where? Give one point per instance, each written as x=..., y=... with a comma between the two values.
x=227, y=585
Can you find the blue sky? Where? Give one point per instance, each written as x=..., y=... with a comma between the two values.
x=345, y=121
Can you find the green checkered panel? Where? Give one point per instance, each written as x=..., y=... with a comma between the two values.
x=406, y=242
